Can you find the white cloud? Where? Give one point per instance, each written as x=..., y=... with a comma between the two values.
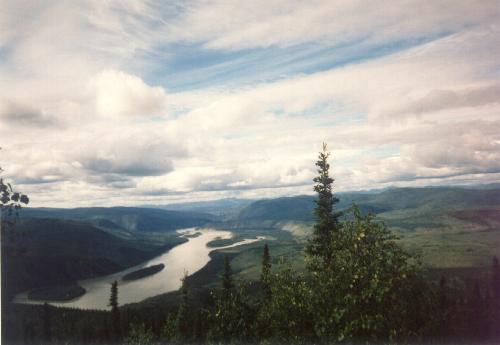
x=81, y=122
x=231, y=24
x=121, y=94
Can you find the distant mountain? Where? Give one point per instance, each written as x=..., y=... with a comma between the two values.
x=388, y=203
x=133, y=219
x=286, y=208
x=221, y=208
x=45, y=252
x=432, y=198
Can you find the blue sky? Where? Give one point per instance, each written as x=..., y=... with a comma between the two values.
x=139, y=102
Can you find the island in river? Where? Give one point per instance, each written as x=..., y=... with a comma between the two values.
x=143, y=272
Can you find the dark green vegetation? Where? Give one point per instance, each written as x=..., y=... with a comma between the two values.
x=49, y=253
x=143, y=272
x=131, y=219
x=223, y=209
x=115, y=313
x=57, y=293
x=50, y=249
x=221, y=242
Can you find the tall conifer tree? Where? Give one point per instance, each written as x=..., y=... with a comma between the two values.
x=327, y=223
x=183, y=320
x=115, y=312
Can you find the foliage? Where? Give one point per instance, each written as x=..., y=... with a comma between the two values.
x=169, y=330
x=266, y=273
x=230, y=319
x=140, y=335
x=183, y=320
x=327, y=223
x=10, y=202
x=287, y=315
x=363, y=292
x=115, y=312
x=227, y=282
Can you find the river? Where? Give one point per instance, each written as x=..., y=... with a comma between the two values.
x=188, y=257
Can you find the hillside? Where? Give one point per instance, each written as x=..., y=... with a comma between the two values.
x=223, y=209
x=44, y=252
x=132, y=219
x=450, y=227
x=396, y=206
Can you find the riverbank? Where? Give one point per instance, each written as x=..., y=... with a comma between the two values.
x=57, y=293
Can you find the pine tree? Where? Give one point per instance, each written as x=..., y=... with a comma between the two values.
x=115, y=312
x=227, y=281
x=47, y=330
x=266, y=271
x=182, y=321
x=327, y=222
x=230, y=318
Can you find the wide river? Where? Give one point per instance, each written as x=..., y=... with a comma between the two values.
x=188, y=257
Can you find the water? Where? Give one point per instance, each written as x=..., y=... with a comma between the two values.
x=188, y=257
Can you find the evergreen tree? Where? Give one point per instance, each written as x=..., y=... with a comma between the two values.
x=47, y=329
x=115, y=312
x=182, y=322
x=327, y=223
x=367, y=291
x=227, y=281
x=266, y=271
x=140, y=335
x=231, y=318
x=287, y=316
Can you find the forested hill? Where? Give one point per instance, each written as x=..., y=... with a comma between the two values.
x=402, y=200
x=45, y=252
x=133, y=219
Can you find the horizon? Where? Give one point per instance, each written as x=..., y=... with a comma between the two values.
x=131, y=103
x=484, y=186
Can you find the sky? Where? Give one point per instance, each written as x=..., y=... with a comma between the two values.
x=125, y=102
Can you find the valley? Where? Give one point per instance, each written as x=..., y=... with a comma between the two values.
x=70, y=257
x=448, y=227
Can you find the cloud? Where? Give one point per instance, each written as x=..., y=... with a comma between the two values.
x=15, y=114
x=121, y=94
x=129, y=153
x=437, y=100
x=227, y=24
x=404, y=94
